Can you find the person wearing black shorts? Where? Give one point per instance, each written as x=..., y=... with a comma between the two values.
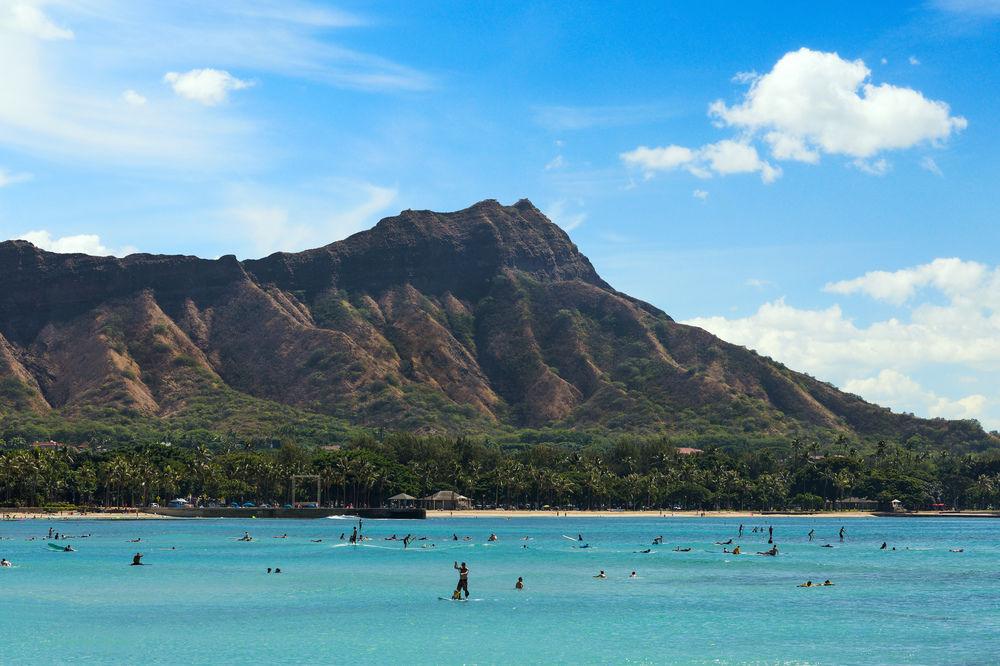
x=463, y=579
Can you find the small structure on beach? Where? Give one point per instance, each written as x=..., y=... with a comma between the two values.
x=448, y=500
x=401, y=500
x=179, y=503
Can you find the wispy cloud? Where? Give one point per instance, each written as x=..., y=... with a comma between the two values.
x=569, y=118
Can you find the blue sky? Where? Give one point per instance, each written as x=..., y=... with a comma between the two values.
x=818, y=183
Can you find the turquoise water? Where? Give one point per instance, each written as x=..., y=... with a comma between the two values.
x=210, y=600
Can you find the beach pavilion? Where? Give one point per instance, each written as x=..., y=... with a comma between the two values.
x=449, y=500
x=401, y=500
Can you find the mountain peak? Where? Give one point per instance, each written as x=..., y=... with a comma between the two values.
x=460, y=252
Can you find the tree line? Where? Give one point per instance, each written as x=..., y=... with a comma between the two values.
x=625, y=473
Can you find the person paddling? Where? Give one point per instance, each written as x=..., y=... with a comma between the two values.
x=463, y=579
x=137, y=560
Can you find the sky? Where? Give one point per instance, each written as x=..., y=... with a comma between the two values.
x=817, y=181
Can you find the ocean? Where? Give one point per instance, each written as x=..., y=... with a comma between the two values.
x=205, y=598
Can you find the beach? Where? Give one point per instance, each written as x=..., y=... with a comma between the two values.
x=511, y=513
x=116, y=514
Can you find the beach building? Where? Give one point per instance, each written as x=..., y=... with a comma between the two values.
x=401, y=500
x=448, y=500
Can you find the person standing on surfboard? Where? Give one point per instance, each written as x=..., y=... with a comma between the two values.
x=463, y=579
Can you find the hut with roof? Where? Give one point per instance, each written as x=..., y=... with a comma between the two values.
x=448, y=500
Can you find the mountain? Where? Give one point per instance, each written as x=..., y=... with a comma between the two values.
x=482, y=320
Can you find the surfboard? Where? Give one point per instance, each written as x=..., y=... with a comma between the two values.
x=566, y=536
x=61, y=549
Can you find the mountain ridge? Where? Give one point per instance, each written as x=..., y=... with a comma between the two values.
x=482, y=319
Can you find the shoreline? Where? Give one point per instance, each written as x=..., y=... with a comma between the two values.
x=15, y=514
x=505, y=514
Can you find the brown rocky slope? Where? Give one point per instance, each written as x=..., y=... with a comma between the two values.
x=485, y=318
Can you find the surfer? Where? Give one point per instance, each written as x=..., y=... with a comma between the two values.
x=579, y=537
x=137, y=560
x=648, y=550
x=770, y=534
x=354, y=536
x=811, y=533
x=842, y=533
x=808, y=583
x=884, y=546
x=633, y=575
x=601, y=574
x=773, y=552
x=454, y=537
x=519, y=585
x=724, y=543
x=283, y=536
x=678, y=549
x=741, y=531
x=406, y=541
x=463, y=579
x=69, y=549
x=658, y=541
x=493, y=537
x=827, y=583
x=5, y=563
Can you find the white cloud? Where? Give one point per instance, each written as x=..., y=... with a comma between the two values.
x=722, y=158
x=133, y=98
x=825, y=103
x=560, y=214
x=878, y=167
x=811, y=103
x=291, y=222
x=745, y=77
x=927, y=163
x=893, y=389
x=557, y=162
x=961, y=336
x=959, y=280
x=700, y=194
x=884, y=61
x=913, y=60
x=8, y=178
x=63, y=98
x=205, y=86
x=28, y=19
x=81, y=243
x=757, y=283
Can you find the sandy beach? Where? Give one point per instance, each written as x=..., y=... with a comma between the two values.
x=504, y=513
x=131, y=514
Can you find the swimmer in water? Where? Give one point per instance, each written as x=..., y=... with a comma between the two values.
x=827, y=583
x=773, y=552
x=658, y=541
x=678, y=549
x=5, y=563
x=69, y=549
x=884, y=546
x=137, y=560
x=956, y=550
x=493, y=537
x=648, y=550
x=601, y=574
x=633, y=575
x=724, y=543
x=283, y=536
x=519, y=585
x=826, y=545
x=808, y=583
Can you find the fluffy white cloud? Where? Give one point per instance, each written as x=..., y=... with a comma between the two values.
x=82, y=243
x=205, y=86
x=913, y=60
x=28, y=19
x=894, y=389
x=813, y=101
x=961, y=281
x=700, y=194
x=723, y=158
x=961, y=336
